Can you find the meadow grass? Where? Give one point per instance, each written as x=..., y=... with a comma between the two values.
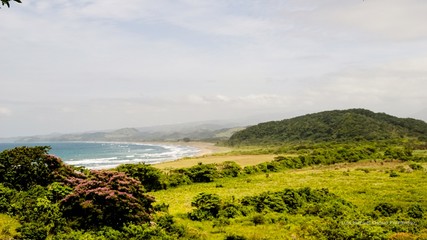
x=365, y=184
x=242, y=160
x=8, y=227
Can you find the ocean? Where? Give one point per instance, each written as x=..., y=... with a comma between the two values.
x=104, y=155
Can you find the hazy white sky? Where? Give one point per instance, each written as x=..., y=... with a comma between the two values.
x=77, y=65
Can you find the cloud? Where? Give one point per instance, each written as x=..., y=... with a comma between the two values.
x=99, y=64
x=5, y=112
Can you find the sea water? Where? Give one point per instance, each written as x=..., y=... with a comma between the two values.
x=104, y=155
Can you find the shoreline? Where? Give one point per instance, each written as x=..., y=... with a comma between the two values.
x=205, y=148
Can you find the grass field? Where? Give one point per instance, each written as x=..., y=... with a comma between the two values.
x=365, y=184
x=242, y=160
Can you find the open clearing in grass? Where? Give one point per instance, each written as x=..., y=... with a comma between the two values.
x=242, y=160
x=365, y=184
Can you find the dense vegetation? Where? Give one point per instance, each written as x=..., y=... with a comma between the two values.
x=55, y=201
x=43, y=198
x=338, y=125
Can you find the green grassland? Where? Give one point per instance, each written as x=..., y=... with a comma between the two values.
x=365, y=184
x=354, y=190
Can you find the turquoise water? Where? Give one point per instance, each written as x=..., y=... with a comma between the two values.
x=99, y=155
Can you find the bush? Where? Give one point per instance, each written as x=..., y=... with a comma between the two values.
x=386, y=209
x=108, y=199
x=229, y=169
x=230, y=210
x=6, y=194
x=416, y=211
x=398, y=153
x=149, y=176
x=235, y=237
x=258, y=219
x=251, y=169
x=175, y=178
x=33, y=231
x=203, y=172
x=207, y=206
x=416, y=166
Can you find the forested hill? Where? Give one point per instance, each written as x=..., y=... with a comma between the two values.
x=337, y=125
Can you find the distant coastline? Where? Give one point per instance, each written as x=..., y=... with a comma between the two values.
x=205, y=148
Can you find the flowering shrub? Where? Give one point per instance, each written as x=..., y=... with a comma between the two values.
x=108, y=198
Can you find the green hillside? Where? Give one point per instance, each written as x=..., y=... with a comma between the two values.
x=336, y=125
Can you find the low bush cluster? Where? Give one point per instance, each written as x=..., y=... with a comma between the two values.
x=324, y=214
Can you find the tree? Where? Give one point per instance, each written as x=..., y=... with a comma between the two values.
x=7, y=2
x=24, y=167
x=108, y=198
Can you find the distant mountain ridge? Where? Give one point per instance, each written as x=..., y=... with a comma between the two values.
x=335, y=125
x=190, y=131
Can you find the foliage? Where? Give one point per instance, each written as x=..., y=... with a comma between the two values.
x=200, y=172
x=337, y=125
x=416, y=211
x=386, y=209
x=6, y=195
x=398, y=153
x=33, y=231
x=7, y=2
x=229, y=169
x=415, y=166
x=24, y=167
x=175, y=178
x=207, y=206
x=149, y=176
x=108, y=198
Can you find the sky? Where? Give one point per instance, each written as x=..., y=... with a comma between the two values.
x=80, y=65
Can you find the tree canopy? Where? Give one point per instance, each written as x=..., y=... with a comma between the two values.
x=7, y=2
x=337, y=125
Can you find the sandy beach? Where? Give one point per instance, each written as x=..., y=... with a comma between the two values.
x=205, y=148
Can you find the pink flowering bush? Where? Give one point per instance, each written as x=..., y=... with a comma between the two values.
x=107, y=198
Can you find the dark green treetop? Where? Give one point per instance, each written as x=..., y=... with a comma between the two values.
x=7, y=2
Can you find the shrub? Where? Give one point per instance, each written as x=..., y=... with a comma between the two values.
x=235, y=237
x=108, y=199
x=416, y=211
x=250, y=169
x=207, y=206
x=33, y=231
x=175, y=178
x=230, y=210
x=416, y=166
x=149, y=176
x=386, y=209
x=398, y=153
x=6, y=194
x=258, y=219
x=203, y=172
x=229, y=169
x=394, y=174
x=43, y=213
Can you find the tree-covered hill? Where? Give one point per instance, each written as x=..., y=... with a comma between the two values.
x=336, y=125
